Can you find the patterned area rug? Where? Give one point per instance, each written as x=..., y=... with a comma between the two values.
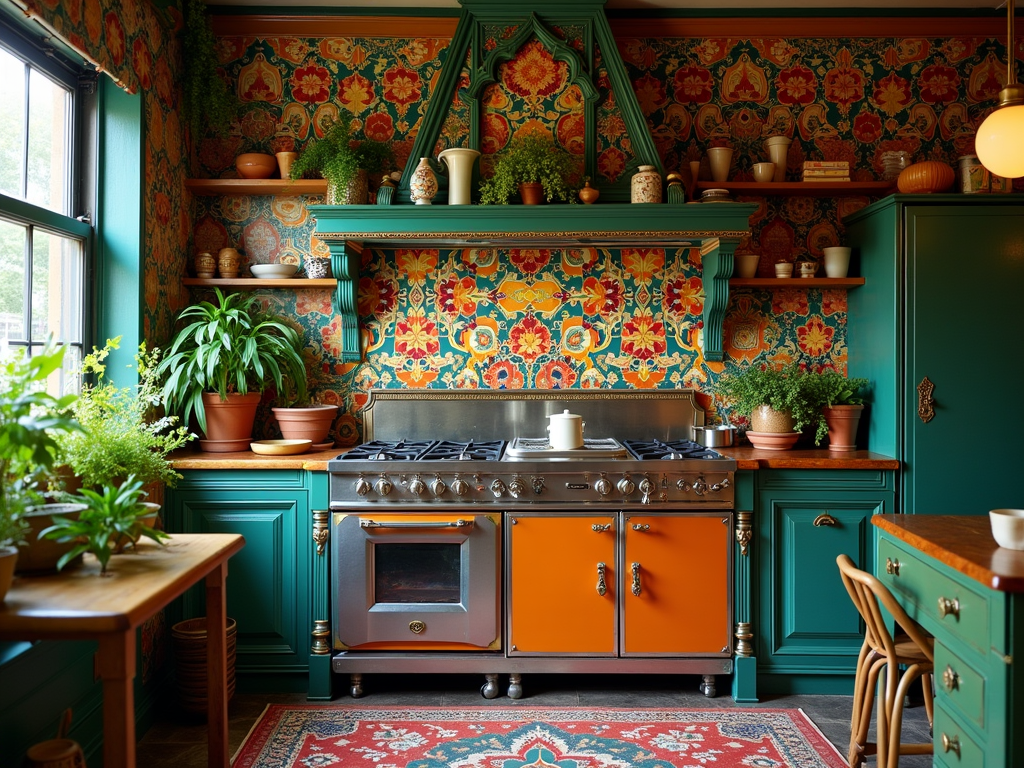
x=514, y=737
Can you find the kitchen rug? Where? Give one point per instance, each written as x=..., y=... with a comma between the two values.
x=287, y=736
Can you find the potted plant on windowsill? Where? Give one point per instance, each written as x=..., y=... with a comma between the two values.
x=343, y=161
x=220, y=363
x=776, y=401
x=533, y=166
x=840, y=404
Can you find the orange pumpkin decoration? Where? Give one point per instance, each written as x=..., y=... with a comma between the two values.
x=927, y=176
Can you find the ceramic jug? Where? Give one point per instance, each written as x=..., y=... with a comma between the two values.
x=460, y=174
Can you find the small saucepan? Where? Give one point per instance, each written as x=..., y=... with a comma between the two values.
x=717, y=436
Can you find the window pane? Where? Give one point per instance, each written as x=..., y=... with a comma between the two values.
x=47, y=142
x=12, y=284
x=12, y=123
x=56, y=287
x=66, y=378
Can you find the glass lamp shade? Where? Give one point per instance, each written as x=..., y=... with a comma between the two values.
x=1000, y=142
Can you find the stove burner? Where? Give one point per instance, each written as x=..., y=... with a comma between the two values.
x=388, y=450
x=449, y=450
x=650, y=450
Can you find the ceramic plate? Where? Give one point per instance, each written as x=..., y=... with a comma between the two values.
x=322, y=446
x=280, y=447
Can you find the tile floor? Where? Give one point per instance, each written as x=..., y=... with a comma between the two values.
x=179, y=741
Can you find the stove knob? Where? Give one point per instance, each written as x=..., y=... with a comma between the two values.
x=459, y=486
x=517, y=488
x=438, y=487
x=603, y=487
x=362, y=486
x=646, y=487
x=417, y=486
x=538, y=485
x=498, y=488
x=625, y=486
x=683, y=485
x=383, y=486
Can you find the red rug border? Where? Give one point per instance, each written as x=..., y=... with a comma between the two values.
x=803, y=720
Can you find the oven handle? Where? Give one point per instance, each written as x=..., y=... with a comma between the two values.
x=460, y=523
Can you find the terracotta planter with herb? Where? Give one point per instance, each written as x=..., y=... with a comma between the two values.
x=842, y=421
x=772, y=430
x=531, y=192
x=311, y=422
x=229, y=422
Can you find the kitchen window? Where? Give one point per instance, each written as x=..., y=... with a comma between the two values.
x=44, y=231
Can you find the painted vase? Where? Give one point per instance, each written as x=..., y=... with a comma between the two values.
x=645, y=186
x=423, y=185
x=228, y=262
x=206, y=264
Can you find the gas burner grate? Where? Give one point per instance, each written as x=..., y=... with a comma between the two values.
x=650, y=450
x=450, y=450
x=388, y=450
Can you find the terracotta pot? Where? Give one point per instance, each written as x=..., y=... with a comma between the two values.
x=306, y=423
x=773, y=441
x=842, y=423
x=255, y=165
x=925, y=177
x=229, y=422
x=531, y=192
x=41, y=555
x=8, y=557
x=589, y=195
x=767, y=419
x=284, y=163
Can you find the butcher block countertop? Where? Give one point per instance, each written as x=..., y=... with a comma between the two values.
x=746, y=458
x=964, y=543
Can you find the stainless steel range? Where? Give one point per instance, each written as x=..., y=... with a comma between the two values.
x=462, y=541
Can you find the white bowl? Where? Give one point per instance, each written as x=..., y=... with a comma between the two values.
x=273, y=270
x=1008, y=527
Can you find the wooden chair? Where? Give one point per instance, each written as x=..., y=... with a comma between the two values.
x=878, y=665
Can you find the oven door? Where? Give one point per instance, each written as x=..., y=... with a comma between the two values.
x=417, y=581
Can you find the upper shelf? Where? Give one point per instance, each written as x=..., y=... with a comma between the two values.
x=208, y=187
x=804, y=188
x=796, y=282
x=295, y=283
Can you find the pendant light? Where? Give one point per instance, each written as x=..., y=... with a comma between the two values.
x=1000, y=139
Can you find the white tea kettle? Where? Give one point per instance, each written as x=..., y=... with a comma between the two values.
x=565, y=432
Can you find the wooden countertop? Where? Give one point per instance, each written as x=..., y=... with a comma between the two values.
x=964, y=543
x=196, y=459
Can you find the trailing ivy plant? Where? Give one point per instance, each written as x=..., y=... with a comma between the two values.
x=338, y=155
x=530, y=158
x=209, y=103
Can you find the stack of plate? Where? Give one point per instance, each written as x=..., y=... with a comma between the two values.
x=715, y=196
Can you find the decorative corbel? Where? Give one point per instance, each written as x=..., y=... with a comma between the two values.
x=744, y=531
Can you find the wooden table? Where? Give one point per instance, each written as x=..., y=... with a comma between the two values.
x=79, y=604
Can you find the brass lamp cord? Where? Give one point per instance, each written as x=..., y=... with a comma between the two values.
x=1013, y=93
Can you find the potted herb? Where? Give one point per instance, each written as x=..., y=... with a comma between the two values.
x=530, y=160
x=344, y=161
x=839, y=406
x=222, y=360
x=116, y=514
x=209, y=103
x=775, y=399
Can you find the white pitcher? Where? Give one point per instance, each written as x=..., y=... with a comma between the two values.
x=565, y=431
x=460, y=173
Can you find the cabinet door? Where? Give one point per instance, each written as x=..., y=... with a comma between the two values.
x=558, y=569
x=679, y=564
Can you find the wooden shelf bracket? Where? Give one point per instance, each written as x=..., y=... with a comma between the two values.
x=345, y=257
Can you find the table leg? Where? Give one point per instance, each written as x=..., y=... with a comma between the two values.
x=217, y=667
x=115, y=663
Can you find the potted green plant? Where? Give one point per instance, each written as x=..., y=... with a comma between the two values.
x=111, y=517
x=220, y=363
x=775, y=399
x=343, y=161
x=839, y=405
x=530, y=160
x=30, y=420
x=209, y=103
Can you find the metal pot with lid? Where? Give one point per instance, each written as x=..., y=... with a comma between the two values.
x=565, y=431
x=716, y=436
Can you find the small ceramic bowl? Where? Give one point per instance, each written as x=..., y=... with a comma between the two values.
x=273, y=270
x=764, y=172
x=1008, y=527
x=255, y=165
x=784, y=269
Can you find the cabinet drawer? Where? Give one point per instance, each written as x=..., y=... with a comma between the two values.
x=971, y=755
x=958, y=686
x=923, y=585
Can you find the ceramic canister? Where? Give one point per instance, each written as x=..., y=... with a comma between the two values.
x=565, y=431
x=645, y=186
x=228, y=262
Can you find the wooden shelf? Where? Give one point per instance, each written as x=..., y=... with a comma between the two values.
x=803, y=188
x=795, y=282
x=210, y=187
x=297, y=283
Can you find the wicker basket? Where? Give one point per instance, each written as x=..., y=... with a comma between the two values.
x=189, y=640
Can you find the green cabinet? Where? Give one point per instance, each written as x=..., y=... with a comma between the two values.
x=808, y=632
x=938, y=312
x=268, y=582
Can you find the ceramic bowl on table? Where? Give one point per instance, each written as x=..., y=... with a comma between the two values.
x=1008, y=527
x=266, y=271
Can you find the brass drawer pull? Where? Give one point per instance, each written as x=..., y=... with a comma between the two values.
x=892, y=567
x=641, y=527
x=636, y=579
x=949, y=607
x=950, y=679
x=601, y=528
x=951, y=744
x=824, y=519
x=602, y=587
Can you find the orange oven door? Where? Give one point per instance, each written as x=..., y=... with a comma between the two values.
x=416, y=581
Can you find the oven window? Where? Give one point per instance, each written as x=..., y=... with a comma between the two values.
x=417, y=573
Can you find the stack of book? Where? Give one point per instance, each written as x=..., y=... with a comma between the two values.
x=826, y=170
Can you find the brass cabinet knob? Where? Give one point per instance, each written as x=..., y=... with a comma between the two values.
x=951, y=744
x=949, y=607
x=950, y=679
x=892, y=567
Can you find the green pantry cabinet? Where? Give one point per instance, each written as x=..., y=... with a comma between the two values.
x=936, y=328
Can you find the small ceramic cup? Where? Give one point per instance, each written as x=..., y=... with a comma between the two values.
x=746, y=264
x=808, y=268
x=784, y=269
x=764, y=172
x=837, y=261
x=55, y=753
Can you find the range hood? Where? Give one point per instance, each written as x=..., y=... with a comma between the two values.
x=479, y=50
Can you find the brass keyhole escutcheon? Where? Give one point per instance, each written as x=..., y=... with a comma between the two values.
x=417, y=627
